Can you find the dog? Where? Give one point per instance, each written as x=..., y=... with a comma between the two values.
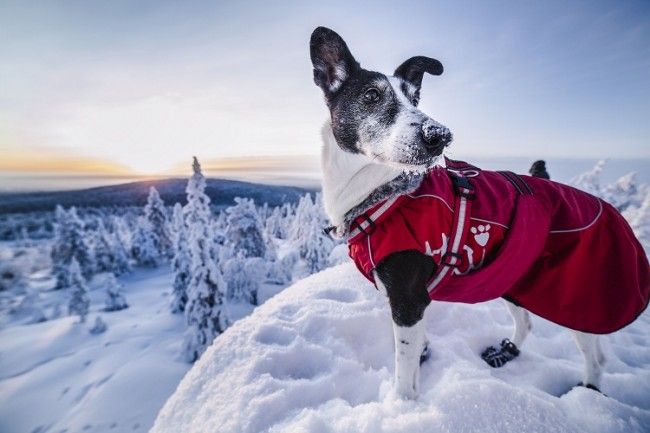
x=388, y=189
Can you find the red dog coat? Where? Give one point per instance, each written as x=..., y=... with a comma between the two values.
x=561, y=253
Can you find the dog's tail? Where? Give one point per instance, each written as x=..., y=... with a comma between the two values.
x=538, y=169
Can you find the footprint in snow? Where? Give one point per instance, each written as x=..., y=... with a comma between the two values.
x=275, y=335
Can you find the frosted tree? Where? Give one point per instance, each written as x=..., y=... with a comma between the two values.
x=69, y=243
x=103, y=249
x=79, y=301
x=205, y=311
x=244, y=229
x=99, y=327
x=243, y=276
x=145, y=249
x=623, y=193
x=316, y=248
x=156, y=214
x=303, y=219
x=115, y=299
x=276, y=224
x=638, y=215
x=181, y=261
x=590, y=180
x=281, y=270
x=308, y=237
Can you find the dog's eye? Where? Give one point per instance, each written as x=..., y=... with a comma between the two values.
x=371, y=95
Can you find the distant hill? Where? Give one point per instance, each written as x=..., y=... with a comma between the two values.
x=221, y=191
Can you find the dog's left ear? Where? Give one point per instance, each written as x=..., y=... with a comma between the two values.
x=414, y=68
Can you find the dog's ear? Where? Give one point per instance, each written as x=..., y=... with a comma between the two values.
x=332, y=60
x=414, y=68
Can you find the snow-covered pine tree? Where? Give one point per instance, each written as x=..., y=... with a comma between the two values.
x=69, y=242
x=243, y=276
x=104, y=254
x=115, y=299
x=590, y=181
x=308, y=237
x=144, y=247
x=276, y=224
x=79, y=301
x=244, y=229
x=624, y=192
x=303, y=219
x=156, y=214
x=99, y=327
x=315, y=248
x=205, y=311
x=181, y=261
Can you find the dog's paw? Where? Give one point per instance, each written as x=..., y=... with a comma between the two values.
x=499, y=357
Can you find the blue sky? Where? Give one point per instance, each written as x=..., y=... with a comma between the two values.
x=122, y=87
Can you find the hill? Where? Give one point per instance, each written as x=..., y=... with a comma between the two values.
x=318, y=358
x=221, y=192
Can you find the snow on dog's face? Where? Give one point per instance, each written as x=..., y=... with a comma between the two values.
x=373, y=114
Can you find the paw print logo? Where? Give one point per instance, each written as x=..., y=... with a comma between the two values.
x=481, y=234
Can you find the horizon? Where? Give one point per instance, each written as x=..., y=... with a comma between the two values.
x=309, y=176
x=125, y=90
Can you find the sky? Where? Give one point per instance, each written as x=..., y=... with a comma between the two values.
x=123, y=88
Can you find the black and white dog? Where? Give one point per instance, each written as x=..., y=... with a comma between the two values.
x=375, y=135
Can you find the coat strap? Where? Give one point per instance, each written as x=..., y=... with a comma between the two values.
x=465, y=194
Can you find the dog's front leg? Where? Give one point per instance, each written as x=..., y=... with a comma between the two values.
x=402, y=277
x=409, y=344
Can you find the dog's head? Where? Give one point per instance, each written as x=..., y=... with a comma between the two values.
x=374, y=114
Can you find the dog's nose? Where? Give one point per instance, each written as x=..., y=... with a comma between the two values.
x=436, y=136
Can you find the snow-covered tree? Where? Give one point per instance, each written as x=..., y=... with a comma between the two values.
x=205, y=311
x=624, y=192
x=281, y=270
x=276, y=224
x=590, y=181
x=144, y=247
x=156, y=214
x=308, y=236
x=243, y=276
x=79, y=301
x=99, y=327
x=303, y=219
x=115, y=299
x=181, y=261
x=316, y=248
x=109, y=253
x=244, y=229
x=638, y=215
x=69, y=243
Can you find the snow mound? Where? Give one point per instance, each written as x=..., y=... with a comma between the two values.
x=318, y=357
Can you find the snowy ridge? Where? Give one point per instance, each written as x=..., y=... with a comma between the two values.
x=318, y=357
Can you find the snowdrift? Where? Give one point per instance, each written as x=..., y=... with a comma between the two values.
x=318, y=357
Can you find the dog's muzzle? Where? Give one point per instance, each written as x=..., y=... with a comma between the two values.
x=435, y=136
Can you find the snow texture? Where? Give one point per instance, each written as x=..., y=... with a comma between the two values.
x=318, y=358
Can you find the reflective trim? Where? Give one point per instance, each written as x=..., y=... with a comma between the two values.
x=600, y=212
x=455, y=247
x=376, y=214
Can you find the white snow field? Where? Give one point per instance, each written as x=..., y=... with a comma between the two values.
x=56, y=377
x=318, y=358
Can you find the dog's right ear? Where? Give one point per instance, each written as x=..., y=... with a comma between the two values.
x=332, y=60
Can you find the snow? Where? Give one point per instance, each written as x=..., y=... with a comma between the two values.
x=56, y=375
x=318, y=357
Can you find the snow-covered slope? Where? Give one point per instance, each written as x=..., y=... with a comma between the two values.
x=57, y=377
x=318, y=357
